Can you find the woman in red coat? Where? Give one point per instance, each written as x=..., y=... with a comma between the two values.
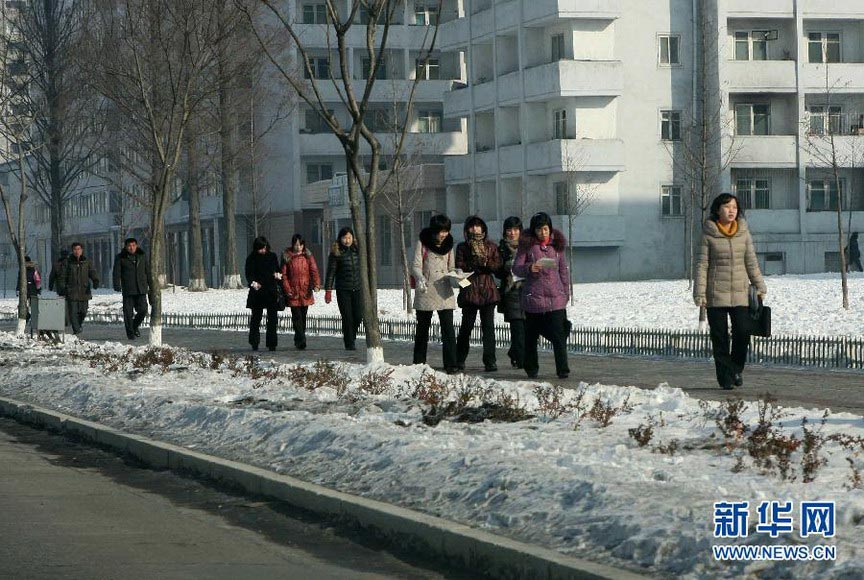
x=300, y=279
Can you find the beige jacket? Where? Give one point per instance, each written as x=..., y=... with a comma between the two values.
x=726, y=267
x=432, y=269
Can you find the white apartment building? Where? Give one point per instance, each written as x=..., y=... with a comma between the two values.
x=594, y=92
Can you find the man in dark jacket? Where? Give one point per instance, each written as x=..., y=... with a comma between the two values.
x=133, y=278
x=853, y=255
x=56, y=268
x=73, y=282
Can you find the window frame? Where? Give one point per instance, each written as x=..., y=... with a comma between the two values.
x=423, y=71
x=430, y=117
x=827, y=191
x=824, y=115
x=824, y=42
x=668, y=37
x=753, y=194
x=559, y=124
x=671, y=192
x=558, y=43
x=671, y=123
x=752, y=119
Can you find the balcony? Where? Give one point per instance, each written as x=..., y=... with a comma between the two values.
x=778, y=151
x=542, y=12
x=453, y=34
x=510, y=159
x=593, y=230
x=843, y=77
x=573, y=78
x=484, y=95
x=762, y=76
x=457, y=102
x=833, y=9
x=508, y=15
x=760, y=8
x=458, y=168
x=774, y=221
x=561, y=155
x=482, y=24
x=451, y=143
x=387, y=90
x=849, y=150
x=486, y=163
x=509, y=88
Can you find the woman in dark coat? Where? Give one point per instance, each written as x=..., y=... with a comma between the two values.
x=300, y=279
x=511, y=291
x=343, y=275
x=545, y=292
x=262, y=275
x=479, y=255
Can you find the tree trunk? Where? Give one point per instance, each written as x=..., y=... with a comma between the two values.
x=570, y=249
x=406, y=269
x=231, y=279
x=844, y=278
x=197, y=280
x=23, y=300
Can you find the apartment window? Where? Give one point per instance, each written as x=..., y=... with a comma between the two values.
x=754, y=193
x=559, y=47
x=670, y=50
x=385, y=226
x=320, y=66
x=318, y=172
x=365, y=18
x=380, y=73
x=823, y=47
x=313, y=123
x=752, y=44
x=429, y=70
x=421, y=219
x=425, y=15
x=429, y=122
x=314, y=14
x=752, y=119
x=822, y=194
x=670, y=125
x=671, y=202
x=825, y=120
x=560, y=124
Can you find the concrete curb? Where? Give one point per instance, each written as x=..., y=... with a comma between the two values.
x=495, y=556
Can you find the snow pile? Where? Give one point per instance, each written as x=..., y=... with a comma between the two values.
x=802, y=304
x=558, y=479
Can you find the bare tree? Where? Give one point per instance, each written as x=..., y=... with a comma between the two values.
x=66, y=113
x=150, y=59
x=363, y=186
x=579, y=193
x=823, y=150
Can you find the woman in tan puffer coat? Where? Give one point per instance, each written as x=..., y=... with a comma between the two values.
x=727, y=267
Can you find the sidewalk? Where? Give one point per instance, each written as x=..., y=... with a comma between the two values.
x=837, y=390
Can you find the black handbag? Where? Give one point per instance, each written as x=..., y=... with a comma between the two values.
x=281, y=298
x=760, y=315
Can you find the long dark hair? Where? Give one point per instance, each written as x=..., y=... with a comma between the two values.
x=723, y=199
x=298, y=238
x=342, y=232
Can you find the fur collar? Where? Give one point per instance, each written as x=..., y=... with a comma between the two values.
x=709, y=228
x=428, y=238
x=528, y=239
x=336, y=248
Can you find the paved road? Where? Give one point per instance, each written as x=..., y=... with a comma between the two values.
x=72, y=511
x=838, y=390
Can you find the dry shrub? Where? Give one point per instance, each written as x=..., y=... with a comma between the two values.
x=643, y=433
x=604, y=411
x=376, y=382
x=321, y=374
x=550, y=401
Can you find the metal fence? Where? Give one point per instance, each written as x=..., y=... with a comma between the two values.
x=834, y=352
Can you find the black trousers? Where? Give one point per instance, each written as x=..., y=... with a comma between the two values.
x=76, y=312
x=351, y=309
x=487, y=329
x=553, y=327
x=727, y=362
x=298, y=320
x=448, y=337
x=516, y=352
x=270, y=339
x=854, y=266
x=134, y=312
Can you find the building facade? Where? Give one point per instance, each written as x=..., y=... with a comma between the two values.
x=570, y=99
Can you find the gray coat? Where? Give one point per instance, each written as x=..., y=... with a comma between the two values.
x=433, y=269
x=726, y=267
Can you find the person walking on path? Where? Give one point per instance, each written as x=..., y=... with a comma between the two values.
x=300, y=278
x=545, y=291
x=511, y=291
x=133, y=278
x=726, y=268
x=262, y=276
x=343, y=275
x=56, y=268
x=34, y=282
x=433, y=260
x=74, y=282
x=479, y=255
x=853, y=254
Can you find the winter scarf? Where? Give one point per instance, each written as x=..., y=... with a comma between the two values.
x=477, y=242
x=730, y=230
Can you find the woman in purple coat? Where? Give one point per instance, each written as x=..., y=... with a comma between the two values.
x=545, y=292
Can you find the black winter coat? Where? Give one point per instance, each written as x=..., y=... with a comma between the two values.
x=260, y=268
x=343, y=268
x=510, y=291
x=132, y=274
x=73, y=279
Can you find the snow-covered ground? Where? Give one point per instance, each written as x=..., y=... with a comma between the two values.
x=801, y=304
x=568, y=484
